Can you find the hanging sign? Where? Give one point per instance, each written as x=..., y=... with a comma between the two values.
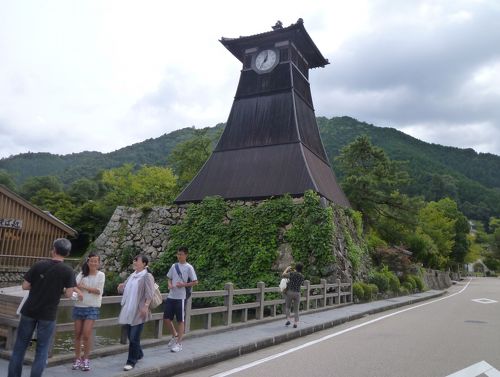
x=11, y=223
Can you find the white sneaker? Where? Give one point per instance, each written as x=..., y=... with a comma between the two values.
x=172, y=342
x=128, y=367
x=176, y=348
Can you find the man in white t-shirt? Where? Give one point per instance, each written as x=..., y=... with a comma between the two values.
x=180, y=276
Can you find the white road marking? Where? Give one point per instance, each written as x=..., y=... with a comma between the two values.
x=311, y=343
x=484, y=301
x=476, y=370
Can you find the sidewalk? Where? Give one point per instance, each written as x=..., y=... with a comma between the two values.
x=205, y=350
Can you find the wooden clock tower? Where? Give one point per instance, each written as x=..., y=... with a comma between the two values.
x=271, y=144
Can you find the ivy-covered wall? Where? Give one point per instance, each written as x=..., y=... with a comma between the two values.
x=240, y=242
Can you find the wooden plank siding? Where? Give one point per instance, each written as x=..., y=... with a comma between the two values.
x=20, y=248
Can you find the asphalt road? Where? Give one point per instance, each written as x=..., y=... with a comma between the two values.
x=450, y=335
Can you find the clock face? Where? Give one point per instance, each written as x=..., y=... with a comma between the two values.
x=266, y=60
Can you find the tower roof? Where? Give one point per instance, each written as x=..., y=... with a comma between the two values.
x=295, y=33
x=271, y=145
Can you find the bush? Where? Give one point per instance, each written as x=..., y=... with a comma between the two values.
x=404, y=290
x=407, y=286
x=394, y=283
x=372, y=290
x=380, y=280
x=419, y=282
x=358, y=291
x=111, y=284
x=410, y=280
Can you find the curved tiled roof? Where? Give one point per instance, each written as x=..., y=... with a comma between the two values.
x=295, y=33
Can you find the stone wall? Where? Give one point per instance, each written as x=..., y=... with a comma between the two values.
x=132, y=230
x=11, y=278
x=437, y=279
x=138, y=231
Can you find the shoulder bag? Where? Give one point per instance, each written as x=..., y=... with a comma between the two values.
x=188, y=289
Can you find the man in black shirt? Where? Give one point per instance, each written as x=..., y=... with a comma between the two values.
x=46, y=281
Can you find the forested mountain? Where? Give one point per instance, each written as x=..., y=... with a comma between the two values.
x=470, y=178
x=87, y=164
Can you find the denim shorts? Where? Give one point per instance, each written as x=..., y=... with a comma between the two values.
x=85, y=313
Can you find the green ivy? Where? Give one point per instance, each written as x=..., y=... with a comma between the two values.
x=311, y=236
x=127, y=256
x=353, y=251
x=239, y=243
x=357, y=218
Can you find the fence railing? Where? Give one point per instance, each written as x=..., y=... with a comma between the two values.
x=249, y=305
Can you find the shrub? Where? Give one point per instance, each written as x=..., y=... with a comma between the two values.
x=380, y=280
x=358, y=291
x=419, y=282
x=111, y=284
x=394, y=283
x=404, y=290
x=127, y=256
x=410, y=279
x=373, y=291
x=407, y=286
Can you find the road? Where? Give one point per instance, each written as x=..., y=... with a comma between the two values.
x=457, y=334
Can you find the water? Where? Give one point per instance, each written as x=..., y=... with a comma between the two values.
x=110, y=335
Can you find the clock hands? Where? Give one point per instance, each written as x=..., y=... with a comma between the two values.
x=265, y=59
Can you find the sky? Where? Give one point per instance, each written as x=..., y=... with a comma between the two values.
x=99, y=75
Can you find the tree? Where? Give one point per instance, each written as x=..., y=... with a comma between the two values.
x=150, y=185
x=7, y=180
x=188, y=157
x=34, y=184
x=424, y=249
x=372, y=182
x=435, y=223
x=57, y=203
x=442, y=186
x=494, y=226
x=83, y=190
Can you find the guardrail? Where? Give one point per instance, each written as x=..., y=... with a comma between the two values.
x=313, y=297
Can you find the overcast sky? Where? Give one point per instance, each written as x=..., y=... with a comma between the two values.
x=101, y=75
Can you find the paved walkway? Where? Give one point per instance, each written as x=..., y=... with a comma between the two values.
x=204, y=350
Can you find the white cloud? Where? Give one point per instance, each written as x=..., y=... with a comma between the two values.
x=93, y=75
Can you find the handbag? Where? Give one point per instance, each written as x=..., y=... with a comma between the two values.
x=283, y=284
x=157, y=298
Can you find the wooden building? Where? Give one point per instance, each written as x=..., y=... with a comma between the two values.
x=26, y=232
x=271, y=145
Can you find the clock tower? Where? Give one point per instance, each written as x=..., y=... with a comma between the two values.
x=271, y=144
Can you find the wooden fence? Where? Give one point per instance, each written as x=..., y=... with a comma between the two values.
x=26, y=232
x=265, y=304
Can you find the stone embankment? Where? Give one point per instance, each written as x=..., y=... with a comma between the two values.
x=131, y=231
